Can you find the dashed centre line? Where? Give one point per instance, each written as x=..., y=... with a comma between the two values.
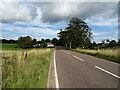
x=78, y=58
x=107, y=72
x=96, y=66
x=67, y=53
x=63, y=51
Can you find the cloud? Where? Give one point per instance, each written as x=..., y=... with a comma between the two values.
x=35, y=32
x=44, y=19
x=60, y=0
x=98, y=33
x=54, y=12
x=101, y=21
x=110, y=35
x=16, y=12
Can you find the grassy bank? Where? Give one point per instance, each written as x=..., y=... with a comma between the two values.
x=108, y=54
x=25, y=69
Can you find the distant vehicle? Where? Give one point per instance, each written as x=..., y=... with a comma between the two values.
x=50, y=45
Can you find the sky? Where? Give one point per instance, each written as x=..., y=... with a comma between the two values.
x=44, y=19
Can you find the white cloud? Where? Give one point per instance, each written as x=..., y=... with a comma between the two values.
x=101, y=21
x=98, y=33
x=16, y=12
x=34, y=32
x=112, y=37
x=61, y=0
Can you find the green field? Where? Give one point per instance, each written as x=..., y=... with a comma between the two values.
x=8, y=46
x=25, y=69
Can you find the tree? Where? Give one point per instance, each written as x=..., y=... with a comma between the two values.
x=112, y=44
x=44, y=44
x=54, y=41
x=77, y=34
x=92, y=45
x=25, y=42
x=119, y=42
x=34, y=41
x=47, y=40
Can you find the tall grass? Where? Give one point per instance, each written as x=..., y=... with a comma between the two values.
x=26, y=69
x=108, y=54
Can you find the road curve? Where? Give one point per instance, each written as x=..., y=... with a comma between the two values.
x=75, y=70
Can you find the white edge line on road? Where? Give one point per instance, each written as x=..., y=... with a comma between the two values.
x=101, y=59
x=78, y=58
x=56, y=76
x=108, y=61
x=107, y=72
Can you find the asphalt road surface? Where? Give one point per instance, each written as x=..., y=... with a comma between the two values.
x=75, y=70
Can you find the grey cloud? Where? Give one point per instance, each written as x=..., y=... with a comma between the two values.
x=55, y=11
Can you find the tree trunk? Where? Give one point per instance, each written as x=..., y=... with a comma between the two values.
x=70, y=45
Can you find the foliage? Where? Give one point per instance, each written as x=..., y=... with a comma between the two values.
x=107, y=54
x=47, y=41
x=112, y=44
x=26, y=42
x=44, y=44
x=54, y=41
x=26, y=69
x=8, y=41
x=77, y=34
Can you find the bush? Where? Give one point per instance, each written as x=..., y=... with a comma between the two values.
x=26, y=42
x=44, y=45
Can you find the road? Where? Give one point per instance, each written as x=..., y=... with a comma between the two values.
x=75, y=70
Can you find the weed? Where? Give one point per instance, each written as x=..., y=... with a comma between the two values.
x=108, y=54
x=26, y=69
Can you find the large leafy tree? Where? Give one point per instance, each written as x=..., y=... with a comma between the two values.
x=54, y=41
x=112, y=44
x=77, y=34
x=26, y=42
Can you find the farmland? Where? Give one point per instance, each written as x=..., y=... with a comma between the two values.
x=25, y=68
x=8, y=46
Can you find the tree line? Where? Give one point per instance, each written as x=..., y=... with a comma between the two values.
x=28, y=42
x=7, y=41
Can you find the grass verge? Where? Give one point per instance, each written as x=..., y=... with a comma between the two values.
x=99, y=55
x=26, y=69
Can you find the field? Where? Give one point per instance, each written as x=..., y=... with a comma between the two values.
x=25, y=68
x=8, y=46
x=108, y=54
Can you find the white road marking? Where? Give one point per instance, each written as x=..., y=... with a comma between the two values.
x=56, y=76
x=63, y=51
x=78, y=58
x=101, y=59
x=107, y=72
x=67, y=53
x=108, y=61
